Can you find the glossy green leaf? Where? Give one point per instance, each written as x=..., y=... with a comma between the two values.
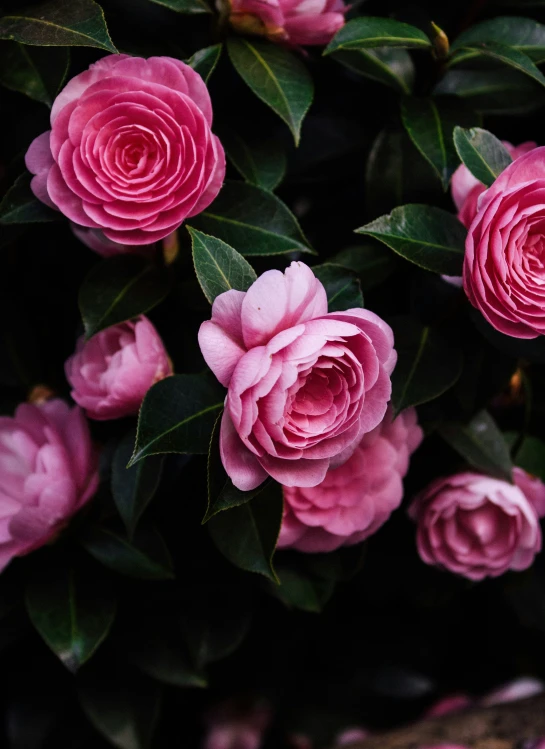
x=484, y=155
x=389, y=65
x=300, y=590
x=427, y=236
x=144, y=558
x=342, y=286
x=59, y=23
x=72, y=614
x=37, y=72
x=211, y=639
x=373, y=263
x=118, y=289
x=20, y=206
x=481, y=444
x=261, y=163
x=509, y=56
x=531, y=456
x=247, y=535
x=427, y=366
x=185, y=6
x=523, y=34
x=164, y=657
x=204, y=61
x=365, y=32
x=276, y=76
x=177, y=416
x=133, y=488
x=253, y=221
x=218, y=266
x=430, y=124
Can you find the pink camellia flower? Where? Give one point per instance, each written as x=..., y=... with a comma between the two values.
x=291, y=22
x=533, y=489
x=111, y=373
x=504, y=263
x=466, y=188
x=130, y=150
x=48, y=471
x=476, y=526
x=355, y=499
x=304, y=386
x=452, y=703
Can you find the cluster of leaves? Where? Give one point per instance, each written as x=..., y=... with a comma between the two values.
x=151, y=594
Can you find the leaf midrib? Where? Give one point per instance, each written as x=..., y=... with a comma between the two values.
x=65, y=29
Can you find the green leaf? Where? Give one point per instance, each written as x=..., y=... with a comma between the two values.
x=276, y=76
x=212, y=639
x=118, y=289
x=484, y=155
x=218, y=266
x=185, y=6
x=427, y=366
x=365, y=32
x=72, y=614
x=299, y=590
x=164, y=657
x=481, y=444
x=373, y=263
x=145, y=558
x=430, y=124
x=523, y=34
x=204, y=61
x=253, y=221
x=427, y=236
x=37, y=72
x=133, y=488
x=341, y=285
x=509, y=56
x=388, y=65
x=530, y=456
x=262, y=163
x=59, y=23
x=177, y=416
x=247, y=535
x=20, y=206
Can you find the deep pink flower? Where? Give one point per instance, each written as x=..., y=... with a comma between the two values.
x=533, y=489
x=476, y=526
x=504, y=264
x=48, y=471
x=130, y=150
x=304, y=386
x=355, y=499
x=291, y=22
x=452, y=703
x=111, y=373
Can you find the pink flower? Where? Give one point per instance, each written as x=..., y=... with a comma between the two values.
x=48, y=471
x=476, y=526
x=452, y=703
x=504, y=264
x=304, y=386
x=291, y=22
x=466, y=189
x=519, y=689
x=111, y=373
x=533, y=489
x=237, y=726
x=130, y=151
x=355, y=499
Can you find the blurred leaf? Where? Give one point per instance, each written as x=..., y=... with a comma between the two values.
x=124, y=710
x=523, y=34
x=218, y=266
x=430, y=124
x=299, y=590
x=59, y=23
x=133, y=488
x=204, y=61
x=481, y=444
x=212, y=638
x=247, y=535
x=177, y=416
x=509, y=56
x=20, y=206
x=497, y=91
x=341, y=285
x=164, y=657
x=276, y=76
x=36, y=72
x=484, y=155
x=365, y=32
x=372, y=262
x=531, y=456
x=427, y=366
x=253, y=221
x=427, y=236
x=118, y=289
x=71, y=613
x=185, y=6
x=144, y=558
x=388, y=65
x=261, y=163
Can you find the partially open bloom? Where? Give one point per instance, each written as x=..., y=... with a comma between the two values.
x=304, y=386
x=111, y=373
x=48, y=471
x=354, y=500
x=476, y=526
x=130, y=151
